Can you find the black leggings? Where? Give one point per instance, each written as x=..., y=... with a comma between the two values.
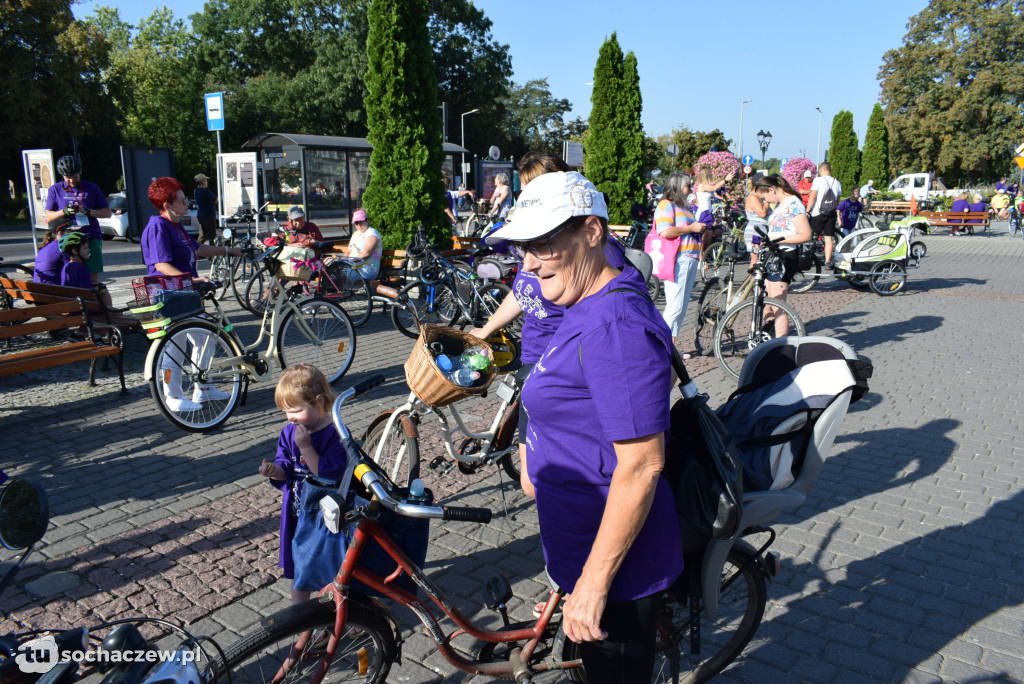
x=627, y=655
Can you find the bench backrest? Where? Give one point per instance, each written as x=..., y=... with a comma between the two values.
x=957, y=217
x=41, y=293
x=60, y=316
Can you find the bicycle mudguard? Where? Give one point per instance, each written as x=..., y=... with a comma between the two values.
x=508, y=427
x=714, y=559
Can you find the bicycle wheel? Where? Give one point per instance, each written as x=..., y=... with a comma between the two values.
x=735, y=336
x=243, y=269
x=887, y=278
x=491, y=296
x=740, y=611
x=510, y=461
x=710, y=307
x=475, y=225
x=350, y=291
x=333, y=345
x=365, y=653
x=714, y=264
x=806, y=279
x=434, y=304
x=400, y=454
x=653, y=288
x=259, y=292
x=15, y=271
x=221, y=269
x=189, y=396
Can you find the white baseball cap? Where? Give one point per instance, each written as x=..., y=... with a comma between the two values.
x=547, y=202
x=807, y=174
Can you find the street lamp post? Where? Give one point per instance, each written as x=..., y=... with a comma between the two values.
x=741, y=126
x=764, y=139
x=818, y=160
x=462, y=131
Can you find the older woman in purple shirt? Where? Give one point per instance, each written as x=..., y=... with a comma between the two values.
x=598, y=405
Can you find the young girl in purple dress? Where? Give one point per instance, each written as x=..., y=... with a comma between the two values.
x=308, y=449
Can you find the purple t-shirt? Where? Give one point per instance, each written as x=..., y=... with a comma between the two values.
x=605, y=376
x=163, y=241
x=49, y=263
x=332, y=466
x=75, y=274
x=975, y=207
x=87, y=195
x=958, y=206
x=541, y=317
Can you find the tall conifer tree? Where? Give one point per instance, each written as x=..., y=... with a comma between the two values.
x=631, y=175
x=843, y=151
x=404, y=123
x=875, y=156
x=603, y=145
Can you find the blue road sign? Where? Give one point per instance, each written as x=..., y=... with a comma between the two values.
x=747, y=160
x=785, y=160
x=215, y=111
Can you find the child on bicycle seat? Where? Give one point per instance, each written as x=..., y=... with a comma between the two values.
x=308, y=449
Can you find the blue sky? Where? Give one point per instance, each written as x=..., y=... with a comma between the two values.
x=698, y=61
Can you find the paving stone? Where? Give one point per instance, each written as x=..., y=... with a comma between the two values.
x=910, y=546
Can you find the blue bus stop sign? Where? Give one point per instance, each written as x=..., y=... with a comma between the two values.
x=785, y=160
x=214, y=111
x=747, y=160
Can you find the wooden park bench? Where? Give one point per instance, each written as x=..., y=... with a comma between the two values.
x=971, y=220
x=39, y=293
x=393, y=270
x=48, y=335
x=888, y=207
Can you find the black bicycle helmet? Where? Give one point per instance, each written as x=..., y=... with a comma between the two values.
x=68, y=165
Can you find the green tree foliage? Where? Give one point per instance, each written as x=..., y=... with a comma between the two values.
x=295, y=67
x=156, y=89
x=953, y=93
x=614, y=145
x=875, y=155
x=51, y=65
x=843, y=152
x=473, y=72
x=603, y=149
x=533, y=119
x=632, y=174
x=692, y=146
x=406, y=188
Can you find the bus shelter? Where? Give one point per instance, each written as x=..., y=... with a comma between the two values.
x=324, y=174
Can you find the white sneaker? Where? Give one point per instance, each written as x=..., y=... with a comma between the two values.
x=179, y=404
x=203, y=393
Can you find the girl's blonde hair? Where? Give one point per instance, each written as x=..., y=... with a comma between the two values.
x=303, y=384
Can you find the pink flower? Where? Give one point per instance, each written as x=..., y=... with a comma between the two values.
x=794, y=170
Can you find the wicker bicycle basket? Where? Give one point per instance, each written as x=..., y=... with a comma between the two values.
x=423, y=376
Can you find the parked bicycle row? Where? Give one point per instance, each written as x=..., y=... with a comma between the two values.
x=682, y=603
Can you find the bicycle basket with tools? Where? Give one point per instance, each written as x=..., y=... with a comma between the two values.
x=156, y=312
x=429, y=382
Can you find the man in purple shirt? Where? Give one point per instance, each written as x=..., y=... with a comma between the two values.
x=599, y=411
x=83, y=202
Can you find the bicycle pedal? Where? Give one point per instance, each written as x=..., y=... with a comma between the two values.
x=441, y=465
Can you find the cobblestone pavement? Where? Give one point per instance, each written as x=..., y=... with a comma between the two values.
x=903, y=565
